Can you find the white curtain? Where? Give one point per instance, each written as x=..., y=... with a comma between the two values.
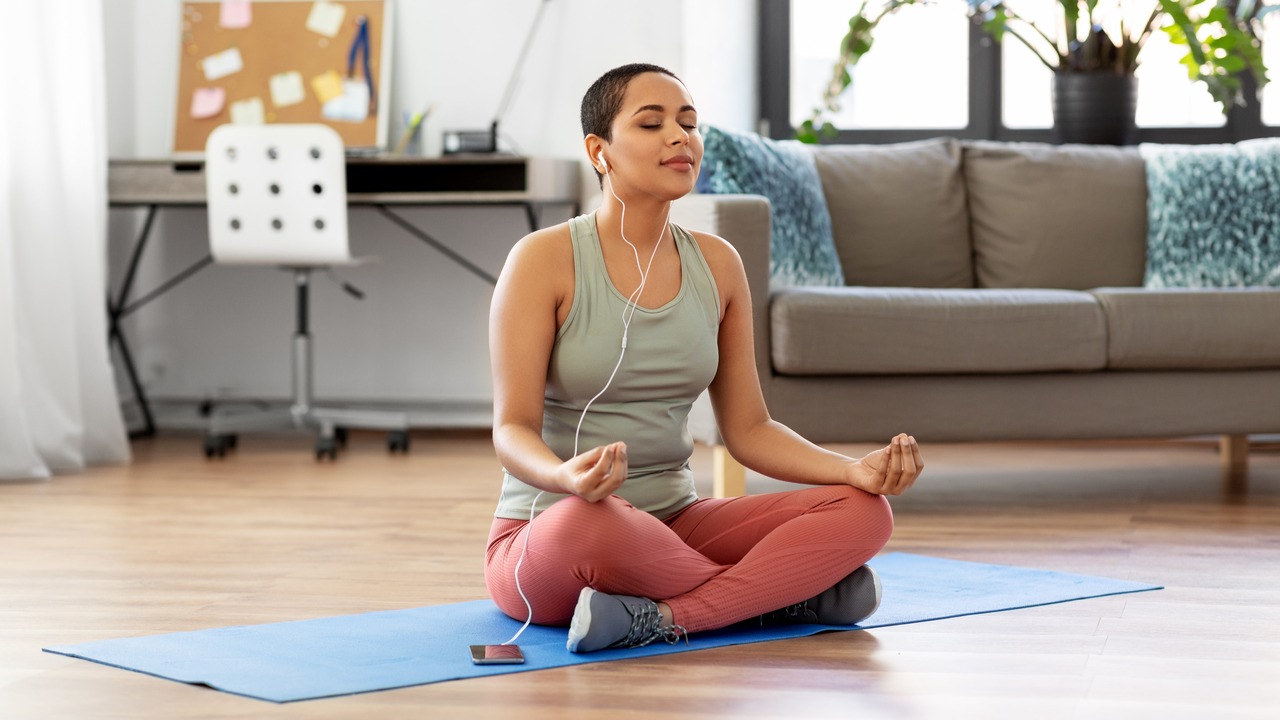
x=58, y=404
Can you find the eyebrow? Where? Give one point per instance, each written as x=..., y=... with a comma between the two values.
x=659, y=108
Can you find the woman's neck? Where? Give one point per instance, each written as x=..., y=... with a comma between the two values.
x=646, y=219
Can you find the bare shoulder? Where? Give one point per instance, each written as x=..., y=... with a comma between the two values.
x=722, y=257
x=726, y=267
x=549, y=246
x=544, y=253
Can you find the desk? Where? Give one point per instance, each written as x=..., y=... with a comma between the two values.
x=378, y=182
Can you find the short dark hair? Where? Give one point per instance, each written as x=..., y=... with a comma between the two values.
x=603, y=100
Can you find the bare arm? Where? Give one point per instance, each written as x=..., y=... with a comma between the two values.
x=522, y=328
x=763, y=444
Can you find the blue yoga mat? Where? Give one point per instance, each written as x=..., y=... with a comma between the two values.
x=348, y=654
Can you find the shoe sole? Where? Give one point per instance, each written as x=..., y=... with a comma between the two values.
x=581, y=620
x=875, y=579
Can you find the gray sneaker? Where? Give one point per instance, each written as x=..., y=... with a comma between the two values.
x=604, y=621
x=852, y=600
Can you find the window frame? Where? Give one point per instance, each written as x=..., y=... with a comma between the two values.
x=985, y=98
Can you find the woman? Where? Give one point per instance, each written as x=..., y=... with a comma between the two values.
x=603, y=331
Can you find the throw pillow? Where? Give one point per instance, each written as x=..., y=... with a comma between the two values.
x=802, y=251
x=1213, y=214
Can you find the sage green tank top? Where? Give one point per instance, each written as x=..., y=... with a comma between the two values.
x=671, y=357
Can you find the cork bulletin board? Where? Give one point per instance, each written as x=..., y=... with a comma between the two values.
x=284, y=61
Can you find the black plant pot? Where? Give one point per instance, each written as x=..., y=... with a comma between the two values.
x=1095, y=108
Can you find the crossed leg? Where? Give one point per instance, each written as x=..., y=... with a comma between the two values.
x=714, y=563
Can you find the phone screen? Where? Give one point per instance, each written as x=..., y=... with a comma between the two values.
x=496, y=655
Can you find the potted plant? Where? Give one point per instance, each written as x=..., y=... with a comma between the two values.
x=1095, y=91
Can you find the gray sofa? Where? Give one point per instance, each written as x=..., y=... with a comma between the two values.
x=994, y=292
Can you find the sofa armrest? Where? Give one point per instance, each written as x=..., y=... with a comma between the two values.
x=743, y=220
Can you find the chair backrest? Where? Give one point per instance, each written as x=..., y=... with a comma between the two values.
x=277, y=195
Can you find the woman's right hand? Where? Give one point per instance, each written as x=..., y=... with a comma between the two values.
x=597, y=473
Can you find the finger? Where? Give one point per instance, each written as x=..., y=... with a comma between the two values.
x=596, y=475
x=618, y=474
x=909, y=471
x=915, y=450
x=589, y=458
x=602, y=463
x=620, y=461
x=893, y=465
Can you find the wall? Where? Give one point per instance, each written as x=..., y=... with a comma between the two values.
x=419, y=337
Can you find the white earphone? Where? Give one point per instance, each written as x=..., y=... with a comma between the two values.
x=603, y=163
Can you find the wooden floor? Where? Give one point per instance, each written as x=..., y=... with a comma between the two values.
x=174, y=542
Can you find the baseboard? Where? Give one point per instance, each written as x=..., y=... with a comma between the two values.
x=188, y=414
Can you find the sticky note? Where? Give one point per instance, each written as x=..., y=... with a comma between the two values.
x=248, y=112
x=327, y=86
x=220, y=65
x=326, y=18
x=236, y=14
x=286, y=89
x=207, y=102
x=352, y=105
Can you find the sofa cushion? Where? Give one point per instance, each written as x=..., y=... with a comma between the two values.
x=801, y=251
x=898, y=213
x=835, y=331
x=1214, y=214
x=1191, y=329
x=1046, y=216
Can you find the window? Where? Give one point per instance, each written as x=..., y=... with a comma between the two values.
x=932, y=73
x=1166, y=96
x=1271, y=55
x=915, y=48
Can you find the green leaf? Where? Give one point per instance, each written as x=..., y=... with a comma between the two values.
x=805, y=133
x=1224, y=42
x=1232, y=63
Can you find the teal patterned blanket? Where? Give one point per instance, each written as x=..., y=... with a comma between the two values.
x=1213, y=214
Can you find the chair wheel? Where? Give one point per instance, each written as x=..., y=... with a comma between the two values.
x=398, y=441
x=218, y=445
x=340, y=434
x=327, y=446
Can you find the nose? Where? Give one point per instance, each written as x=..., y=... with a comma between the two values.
x=678, y=136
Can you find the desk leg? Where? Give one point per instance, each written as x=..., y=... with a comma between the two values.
x=115, y=310
x=439, y=246
x=532, y=212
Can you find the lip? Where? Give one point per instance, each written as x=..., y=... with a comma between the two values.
x=679, y=162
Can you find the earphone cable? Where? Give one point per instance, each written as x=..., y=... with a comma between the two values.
x=633, y=301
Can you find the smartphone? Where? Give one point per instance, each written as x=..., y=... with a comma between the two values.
x=496, y=655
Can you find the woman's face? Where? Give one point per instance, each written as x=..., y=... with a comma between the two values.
x=656, y=146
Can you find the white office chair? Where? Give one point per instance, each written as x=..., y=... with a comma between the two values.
x=277, y=195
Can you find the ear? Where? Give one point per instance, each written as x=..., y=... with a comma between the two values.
x=595, y=146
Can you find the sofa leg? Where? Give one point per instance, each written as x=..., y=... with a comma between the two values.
x=730, y=479
x=1234, y=452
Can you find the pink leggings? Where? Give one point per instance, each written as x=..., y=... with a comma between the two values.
x=714, y=563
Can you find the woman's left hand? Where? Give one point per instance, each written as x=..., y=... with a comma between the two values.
x=890, y=470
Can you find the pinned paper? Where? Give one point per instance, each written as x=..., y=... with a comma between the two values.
x=352, y=105
x=220, y=65
x=286, y=89
x=327, y=86
x=248, y=112
x=326, y=18
x=236, y=14
x=207, y=102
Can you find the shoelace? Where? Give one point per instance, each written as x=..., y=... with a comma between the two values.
x=646, y=626
x=800, y=609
